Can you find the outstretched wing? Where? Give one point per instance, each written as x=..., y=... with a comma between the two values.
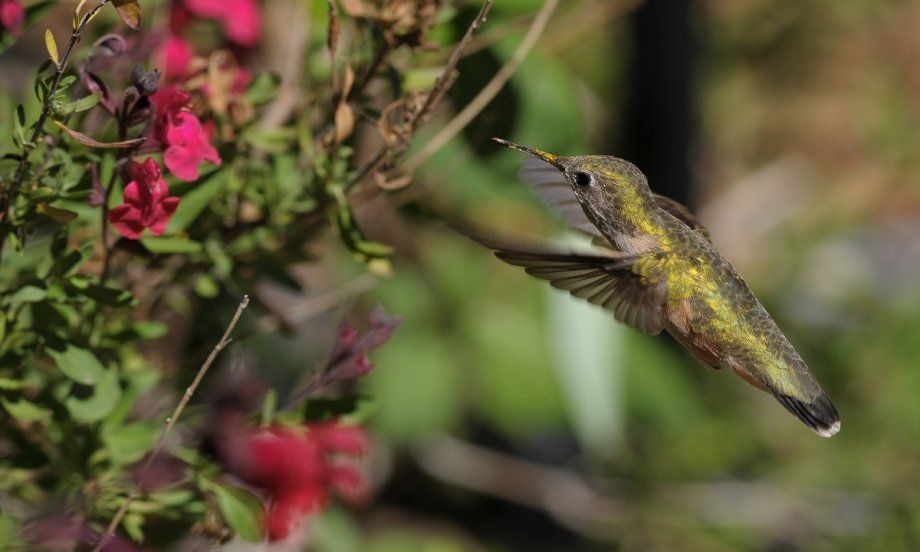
x=605, y=279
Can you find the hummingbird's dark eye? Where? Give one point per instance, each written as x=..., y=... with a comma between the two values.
x=583, y=179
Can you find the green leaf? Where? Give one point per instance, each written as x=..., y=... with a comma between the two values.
x=105, y=396
x=270, y=140
x=240, y=509
x=196, y=201
x=150, y=329
x=8, y=384
x=62, y=216
x=78, y=364
x=263, y=89
x=28, y=294
x=84, y=103
x=129, y=11
x=108, y=295
x=166, y=245
x=9, y=530
x=129, y=443
x=25, y=411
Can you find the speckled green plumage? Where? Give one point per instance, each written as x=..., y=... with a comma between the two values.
x=660, y=271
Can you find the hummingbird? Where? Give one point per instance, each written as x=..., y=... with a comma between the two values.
x=655, y=267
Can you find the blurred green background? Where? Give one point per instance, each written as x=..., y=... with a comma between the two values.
x=512, y=417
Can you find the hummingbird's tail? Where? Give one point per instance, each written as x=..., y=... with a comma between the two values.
x=820, y=414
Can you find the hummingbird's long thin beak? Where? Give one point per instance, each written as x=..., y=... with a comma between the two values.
x=546, y=156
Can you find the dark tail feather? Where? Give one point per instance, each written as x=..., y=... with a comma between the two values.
x=820, y=415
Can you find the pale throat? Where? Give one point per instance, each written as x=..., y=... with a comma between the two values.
x=630, y=221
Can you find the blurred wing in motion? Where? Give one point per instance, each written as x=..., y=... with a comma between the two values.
x=605, y=279
x=550, y=187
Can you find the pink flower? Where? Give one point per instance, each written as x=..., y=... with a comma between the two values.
x=175, y=56
x=297, y=468
x=240, y=19
x=146, y=202
x=12, y=16
x=186, y=141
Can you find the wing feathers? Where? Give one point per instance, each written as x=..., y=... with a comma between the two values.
x=602, y=279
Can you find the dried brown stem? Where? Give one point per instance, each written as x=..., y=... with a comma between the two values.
x=171, y=422
x=441, y=85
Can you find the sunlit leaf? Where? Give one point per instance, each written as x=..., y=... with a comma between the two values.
x=129, y=11
x=78, y=364
x=51, y=46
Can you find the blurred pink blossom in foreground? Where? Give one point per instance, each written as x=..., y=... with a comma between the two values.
x=297, y=468
x=12, y=16
x=240, y=19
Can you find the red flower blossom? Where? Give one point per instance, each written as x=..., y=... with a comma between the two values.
x=240, y=19
x=175, y=56
x=297, y=468
x=178, y=130
x=146, y=202
x=12, y=16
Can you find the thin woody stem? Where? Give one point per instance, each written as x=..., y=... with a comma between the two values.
x=441, y=85
x=488, y=93
x=38, y=131
x=171, y=422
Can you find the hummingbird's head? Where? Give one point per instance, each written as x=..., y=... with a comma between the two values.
x=603, y=184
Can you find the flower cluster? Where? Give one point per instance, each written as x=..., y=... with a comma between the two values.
x=147, y=203
x=297, y=468
x=186, y=142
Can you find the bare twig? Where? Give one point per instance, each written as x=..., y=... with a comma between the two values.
x=488, y=93
x=441, y=85
x=6, y=198
x=171, y=422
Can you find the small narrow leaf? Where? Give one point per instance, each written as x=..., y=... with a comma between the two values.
x=84, y=103
x=58, y=215
x=25, y=411
x=167, y=245
x=76, y=14
x=129, y=11
x=87, y=141
x=51, y=45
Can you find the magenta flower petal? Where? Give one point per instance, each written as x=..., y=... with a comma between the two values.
x=12, y=16
x=146, y=202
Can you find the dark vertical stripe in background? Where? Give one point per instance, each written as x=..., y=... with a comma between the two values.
x=659, y=116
